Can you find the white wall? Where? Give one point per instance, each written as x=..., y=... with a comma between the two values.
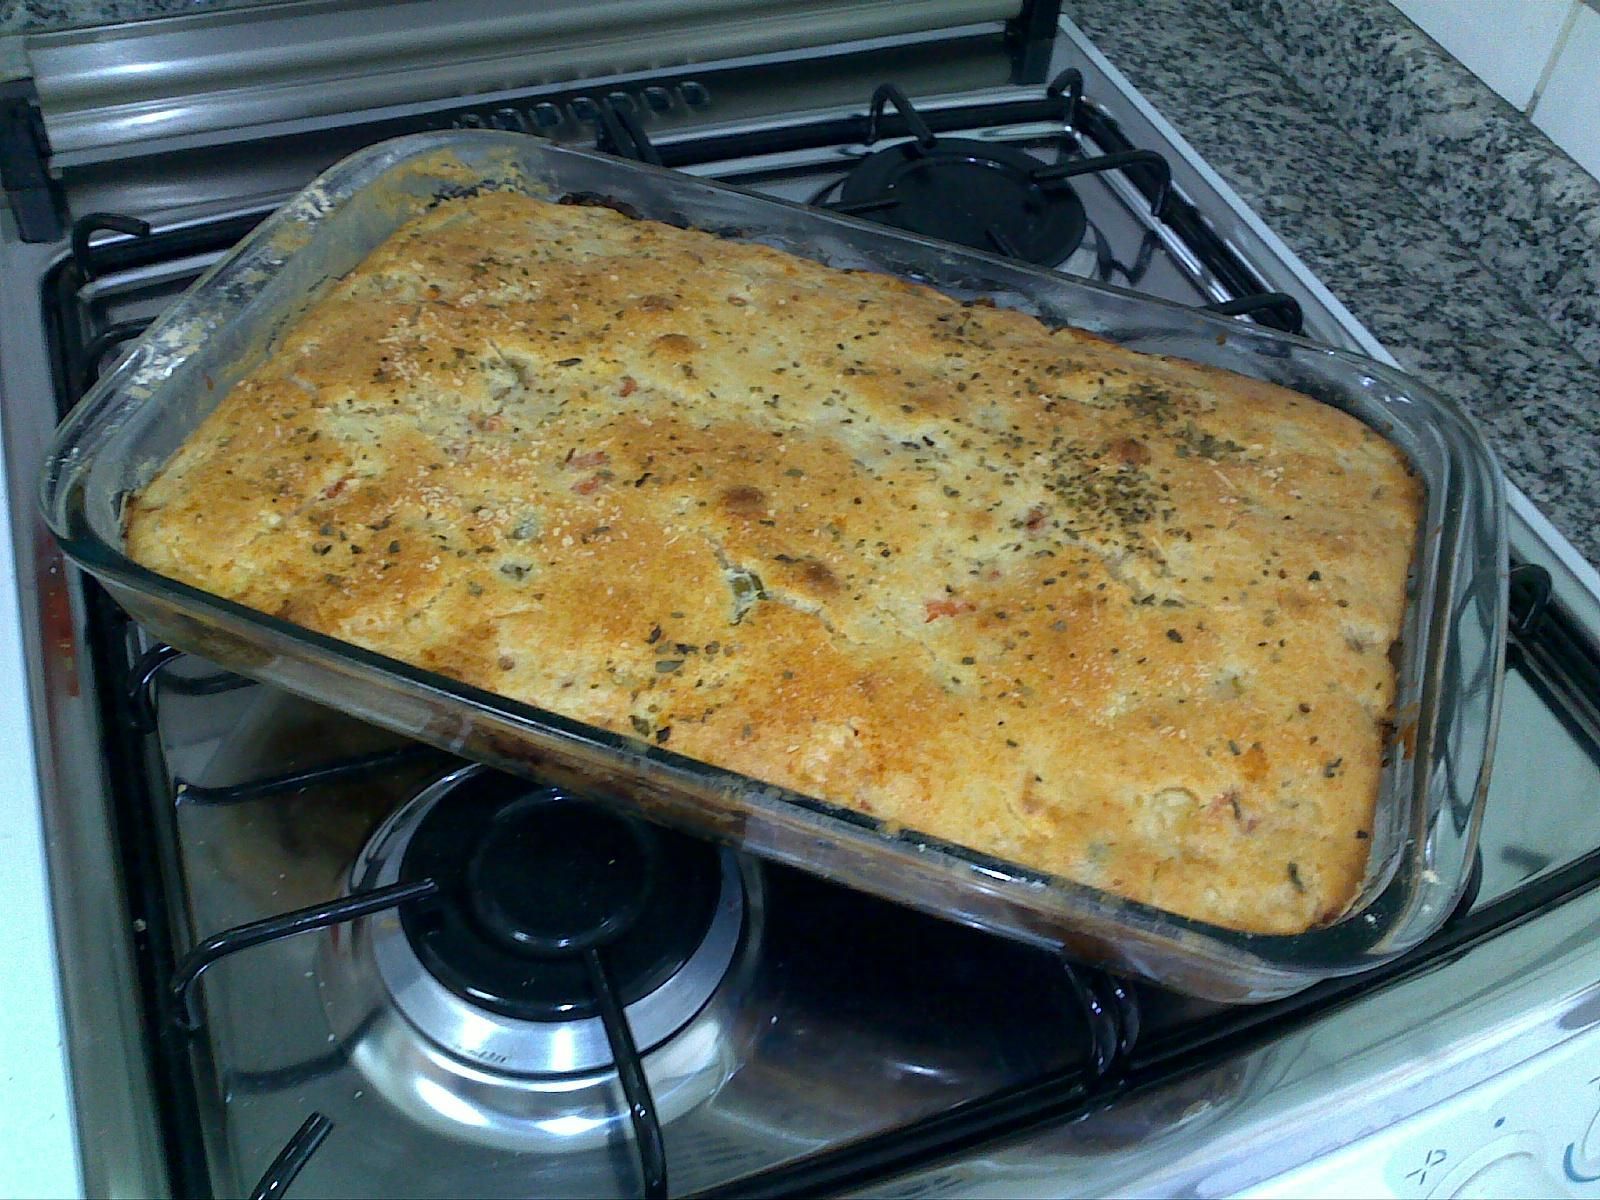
x=1541, y=55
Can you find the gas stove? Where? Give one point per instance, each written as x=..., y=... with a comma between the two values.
x=351, y=965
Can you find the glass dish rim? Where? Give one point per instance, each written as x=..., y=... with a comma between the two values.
x=1310, y=950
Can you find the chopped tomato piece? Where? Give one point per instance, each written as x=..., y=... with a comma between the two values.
x=585, y=486
x=629, y=385
x=1131, y=452
x=582, y=462
x=947, y=608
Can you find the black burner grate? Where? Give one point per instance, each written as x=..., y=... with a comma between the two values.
x=974, y=193
x=980, y=194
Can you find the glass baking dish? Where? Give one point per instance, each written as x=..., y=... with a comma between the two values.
x=1452, y=642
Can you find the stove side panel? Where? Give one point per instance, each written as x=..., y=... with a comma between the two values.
x=112, y=1099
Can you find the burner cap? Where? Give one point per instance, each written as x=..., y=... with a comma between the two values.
x=973, y=193
x=531, y=877
x=450, y=1060
x=552, y=876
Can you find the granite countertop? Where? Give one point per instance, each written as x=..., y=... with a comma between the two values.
x=1465, y=240
x=1455, y=231
x=20, y=16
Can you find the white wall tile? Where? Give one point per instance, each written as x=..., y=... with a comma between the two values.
x=1569, y=108
x=1505, y=43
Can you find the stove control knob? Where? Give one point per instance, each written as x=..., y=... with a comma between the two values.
x=1505, y=1169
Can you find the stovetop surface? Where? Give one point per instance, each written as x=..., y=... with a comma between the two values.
x=855, y=1020
x=860, y=1019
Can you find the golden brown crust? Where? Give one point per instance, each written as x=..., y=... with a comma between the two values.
x=1118, y=617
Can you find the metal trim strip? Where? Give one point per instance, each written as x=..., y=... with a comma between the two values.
x=235, y=70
